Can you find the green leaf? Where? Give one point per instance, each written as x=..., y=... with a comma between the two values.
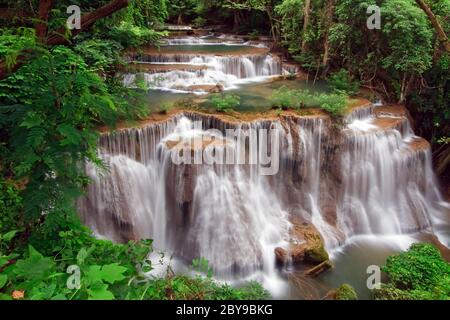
x=113, y=272
x=72, y=135
x=110, y=273
x=5, y=296
x=33, y=120
x=3, y=280
x=10, y=235
x=81, y=256
x=94, y=274
x=35, y=267
x=100, y=292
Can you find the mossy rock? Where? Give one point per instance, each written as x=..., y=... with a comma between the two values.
x=346, y=292
x=316, y=255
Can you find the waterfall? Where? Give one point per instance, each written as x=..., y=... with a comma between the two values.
x=227, y=71
x=371, y=177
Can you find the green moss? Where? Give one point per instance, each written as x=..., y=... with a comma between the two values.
x=346, y=292
x=316, y=254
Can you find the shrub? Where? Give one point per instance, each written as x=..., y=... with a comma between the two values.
x=107, y=271
x=419, y=273
x=225, y=103
x=130, y=35
x=341, y=81
x=165, y=108
x=334, y=103
x=285, y=98
x=199, y=22
x=346, y=292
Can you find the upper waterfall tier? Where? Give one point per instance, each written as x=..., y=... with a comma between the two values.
x=372, y=176
x=200, y=65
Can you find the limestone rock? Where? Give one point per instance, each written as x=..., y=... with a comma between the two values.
x=306, y=246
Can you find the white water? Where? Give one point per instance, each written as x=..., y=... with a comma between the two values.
x=226, y=71
x=369, y=180
x=235, y=217
x=224, y=40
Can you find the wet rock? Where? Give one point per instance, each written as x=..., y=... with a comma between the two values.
x=316, y=254
x=306, y=246
x=320, y=268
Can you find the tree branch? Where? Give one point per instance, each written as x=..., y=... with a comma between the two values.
x=436, y=25
x=88, y=20
x=45, y=6
x=56, y=38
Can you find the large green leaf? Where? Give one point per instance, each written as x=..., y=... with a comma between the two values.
x=113, y=272
x=3, y=280
x=110, y=273
x=100, y=292
x=36, y=267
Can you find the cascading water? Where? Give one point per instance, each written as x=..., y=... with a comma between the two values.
x=235, y=217
x=249, y=62
x=371, y=177
x=225, y=71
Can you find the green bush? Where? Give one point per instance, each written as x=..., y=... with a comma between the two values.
x=335, y=103
x=419, y=273
x=225, y=103
x=130, y=35
x=165, y=108
x=346, y=292
x=42, y=271
x=341, y=81
x=285, y=98
x=199, y=22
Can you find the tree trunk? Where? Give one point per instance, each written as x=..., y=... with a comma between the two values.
x=436, y=25
x=326, y=43
x=306, y=11
x=56, y=38
x=45, y=6
x=272, y=26
x=88, y=20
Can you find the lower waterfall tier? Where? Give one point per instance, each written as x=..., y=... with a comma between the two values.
x=371, y=177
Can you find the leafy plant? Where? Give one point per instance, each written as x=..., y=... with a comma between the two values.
x=165, y=108
x=419, y=273
x=199, y=22
x=341, y=81
x=225, y=103
x=285, y=98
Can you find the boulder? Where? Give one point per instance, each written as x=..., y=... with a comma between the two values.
x=306, y=246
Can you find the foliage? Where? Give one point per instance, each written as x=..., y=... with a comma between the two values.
x=225, y=103
x=165, y=108
x=199, y=22
x=346, y=292
x=342, y=81
x=419, y=273
x=130, y=35
x=107, y=271
x=335, y=103
x=48, y=145
x=285, y=98
x=13, y=42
